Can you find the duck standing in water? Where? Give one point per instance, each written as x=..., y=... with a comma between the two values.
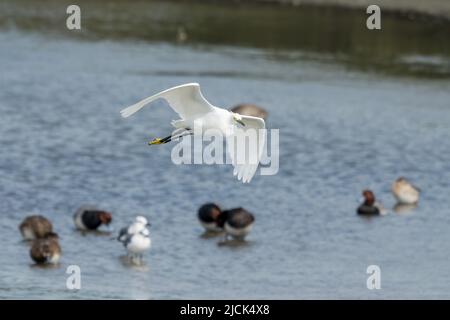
x=370, y=206
x=208, y=215
x=237, y=223
x=46, y=250
x=247, y=109
x=35, y=227
x=136, y=239
x=90, y=218
x=404, y=192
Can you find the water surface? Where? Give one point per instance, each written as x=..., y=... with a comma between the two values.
x=342, y=129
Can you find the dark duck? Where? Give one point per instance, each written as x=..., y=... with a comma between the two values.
x=236, y=222
x=46, y=250
x=208, y=215
x=90, y=218
x=370, y=206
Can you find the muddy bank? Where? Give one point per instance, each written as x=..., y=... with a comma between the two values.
x=437, y=9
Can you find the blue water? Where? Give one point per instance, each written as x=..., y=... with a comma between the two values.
x=64, y=144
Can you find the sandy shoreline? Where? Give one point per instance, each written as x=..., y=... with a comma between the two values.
x=439, y=9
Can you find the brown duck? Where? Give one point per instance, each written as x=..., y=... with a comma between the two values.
x=35, y=227
x=46, y=250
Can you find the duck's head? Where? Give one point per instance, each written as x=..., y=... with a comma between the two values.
x=369, y=197
x=210, y=210
x=105, y=217
x=401, y=180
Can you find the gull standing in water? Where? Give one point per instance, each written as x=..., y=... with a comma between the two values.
x=188, y=102
x=136, y=239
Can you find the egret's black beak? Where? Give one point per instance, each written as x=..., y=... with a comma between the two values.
x=148, y=224
x=240, y=122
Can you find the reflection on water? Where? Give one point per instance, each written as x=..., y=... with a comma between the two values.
x=234, y=243
x=403, y=46
x=404, y=208
x=100, y=233
x=46, y=266
x=141, y=265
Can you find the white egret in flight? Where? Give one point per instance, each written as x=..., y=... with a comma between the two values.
x=188, y=101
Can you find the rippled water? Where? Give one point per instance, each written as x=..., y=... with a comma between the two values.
x=64, y=144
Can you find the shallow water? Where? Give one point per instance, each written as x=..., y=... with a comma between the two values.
x=64, y=144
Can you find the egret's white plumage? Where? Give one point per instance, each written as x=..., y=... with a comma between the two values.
x=188, y=101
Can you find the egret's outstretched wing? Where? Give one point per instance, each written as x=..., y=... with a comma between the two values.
x=245, y=147
x=186, y=100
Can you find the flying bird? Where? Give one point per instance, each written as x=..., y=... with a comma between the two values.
x=188, y=102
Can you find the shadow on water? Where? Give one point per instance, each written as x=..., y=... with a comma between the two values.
x=45, y=266
x=404, y=46
x=211, y=235
x=369, y=218
x=98, y=233
x=234, y=243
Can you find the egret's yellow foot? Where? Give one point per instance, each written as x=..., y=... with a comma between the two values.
x=156, y=141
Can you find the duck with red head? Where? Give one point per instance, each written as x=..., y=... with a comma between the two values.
x=90, y=218
x=370, y=206
x=208, y=215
